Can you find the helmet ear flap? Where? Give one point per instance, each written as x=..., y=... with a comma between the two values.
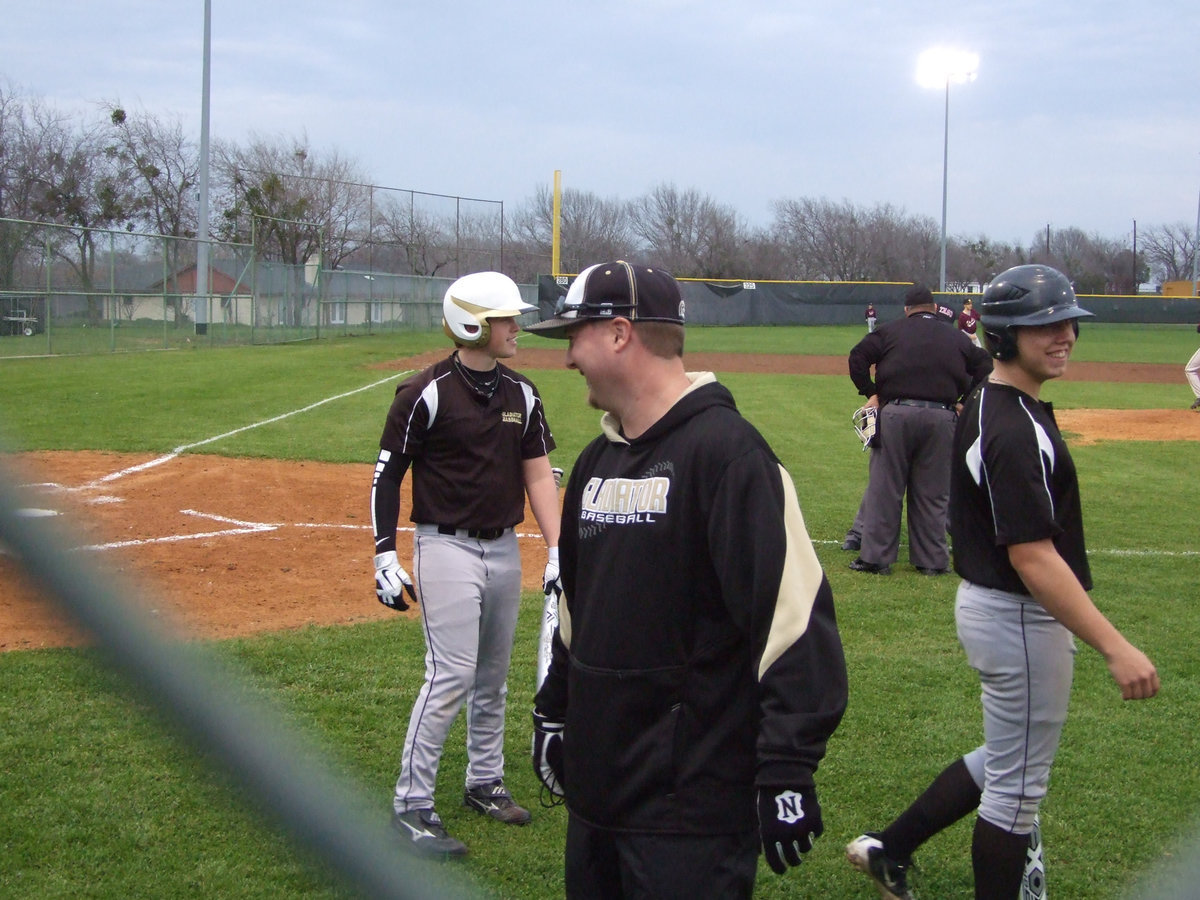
x=1000, y=342
x=485, y=333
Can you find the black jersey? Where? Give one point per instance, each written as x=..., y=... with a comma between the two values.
x=466, y=449
x=699, y=651
x=1013, y=482
x=917, y=358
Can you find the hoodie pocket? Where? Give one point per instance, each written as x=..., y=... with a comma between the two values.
x=621, y=742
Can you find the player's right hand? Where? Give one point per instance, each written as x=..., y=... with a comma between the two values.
x=550, y=578
x=548, y=753
x=391, y=581
x=1133, y=672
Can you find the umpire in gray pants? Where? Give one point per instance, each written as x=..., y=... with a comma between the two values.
x=923, y=368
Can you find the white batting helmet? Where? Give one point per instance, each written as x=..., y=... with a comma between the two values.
x=473, y=299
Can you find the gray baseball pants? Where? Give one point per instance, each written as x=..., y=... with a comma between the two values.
x=470, y=592
x=914, y=455
x=1025, y=659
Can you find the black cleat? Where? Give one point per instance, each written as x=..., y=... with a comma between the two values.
x=860, y=565
x=423, y=833
x=494, y=800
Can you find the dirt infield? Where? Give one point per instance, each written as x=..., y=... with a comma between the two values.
x=225, y=547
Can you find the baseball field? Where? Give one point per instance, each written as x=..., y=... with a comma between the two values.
x=230, y=485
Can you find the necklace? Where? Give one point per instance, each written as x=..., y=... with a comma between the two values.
x=482, y=383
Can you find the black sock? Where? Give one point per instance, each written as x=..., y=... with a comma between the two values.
x=998, y=858
x=952, y=795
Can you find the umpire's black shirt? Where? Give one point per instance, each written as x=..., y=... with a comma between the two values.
x=918, y=357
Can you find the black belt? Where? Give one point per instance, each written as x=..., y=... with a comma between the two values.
x=476, y=534
x=926, y=404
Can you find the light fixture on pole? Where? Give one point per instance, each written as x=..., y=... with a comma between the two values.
x=939, y=68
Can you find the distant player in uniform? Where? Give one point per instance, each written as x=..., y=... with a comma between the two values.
x=1192, y=372
x=870, y=317
x=1017, y=528
x=475, y=435
x=921, y=370
x=968, y=322
x=698, y=672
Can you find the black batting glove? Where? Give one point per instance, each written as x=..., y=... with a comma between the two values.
x=789, y=821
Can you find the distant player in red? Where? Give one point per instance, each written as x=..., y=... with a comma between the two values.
x=869, y=315
x=968, y=320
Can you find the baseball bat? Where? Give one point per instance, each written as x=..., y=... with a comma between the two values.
x=1033, y=885
x=546, y=638
x=549, y=617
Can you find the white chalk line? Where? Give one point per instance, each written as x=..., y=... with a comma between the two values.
x=183, y=448
x=259, y=527
x=241, y=527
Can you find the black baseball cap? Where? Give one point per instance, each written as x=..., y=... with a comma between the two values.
x=612, y=289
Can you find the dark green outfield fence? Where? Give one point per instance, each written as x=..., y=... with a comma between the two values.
x=843, y=303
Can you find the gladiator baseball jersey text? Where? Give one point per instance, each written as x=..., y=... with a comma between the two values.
x=624, y=501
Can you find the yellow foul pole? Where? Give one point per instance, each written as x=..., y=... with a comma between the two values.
x=556, y=230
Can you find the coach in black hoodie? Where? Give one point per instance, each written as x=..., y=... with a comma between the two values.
x=698, y=672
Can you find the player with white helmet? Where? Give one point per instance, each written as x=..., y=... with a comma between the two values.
x=474, y=433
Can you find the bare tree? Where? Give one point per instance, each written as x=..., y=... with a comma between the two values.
x=1095, y=264
x=903, y=247
x=689, y=232
x=980, y=259
x=164, y=163
x=412, y=241
x=288, y=195
x=71, y=177
x=17, y=152
x=592, y=229
x=1170, y=251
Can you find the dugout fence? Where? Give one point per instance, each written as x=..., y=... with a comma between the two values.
x=743, y=302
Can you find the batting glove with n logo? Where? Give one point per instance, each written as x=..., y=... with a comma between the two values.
x=789, y=821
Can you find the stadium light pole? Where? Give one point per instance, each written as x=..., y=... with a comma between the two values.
x=1196, y=254
x=200, y=310
x=940, y=67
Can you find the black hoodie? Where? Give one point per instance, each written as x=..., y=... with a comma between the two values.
x=698, y=651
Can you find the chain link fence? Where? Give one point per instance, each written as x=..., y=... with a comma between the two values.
x=71, y=290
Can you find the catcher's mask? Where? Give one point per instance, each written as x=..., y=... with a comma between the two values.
x=865, y=421
x=1024, y=295
x=474, y=299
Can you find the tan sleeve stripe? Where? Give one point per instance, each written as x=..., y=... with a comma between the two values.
x=801, y=579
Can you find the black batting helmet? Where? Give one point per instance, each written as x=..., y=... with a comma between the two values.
x=1024, y=295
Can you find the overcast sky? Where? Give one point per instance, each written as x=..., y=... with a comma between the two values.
x=1084, y=114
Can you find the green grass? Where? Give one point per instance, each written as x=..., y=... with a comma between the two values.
x=101, y=800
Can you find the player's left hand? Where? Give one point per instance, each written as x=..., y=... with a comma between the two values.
x=550, y=579
x=548, y=753
x=789, y=821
